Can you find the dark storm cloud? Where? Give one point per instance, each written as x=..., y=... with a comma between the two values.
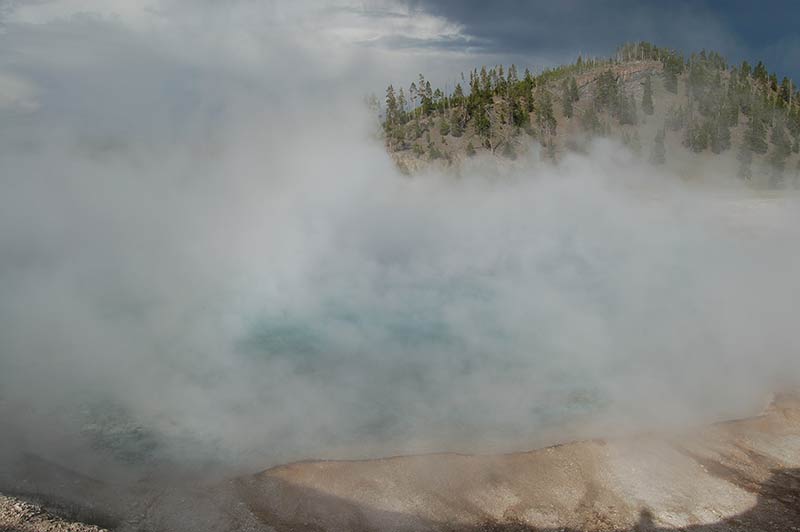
x=445, y=43
x=741, y=30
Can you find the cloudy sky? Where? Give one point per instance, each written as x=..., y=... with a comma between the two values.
x=446, y=36
x=739, y=29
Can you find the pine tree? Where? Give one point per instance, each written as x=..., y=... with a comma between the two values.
x=566, y=99
x=482, y=123
x=427, y=102
x=391, y=108
x=755, y=135
x=551, y=150
x=745, y=158
x=589, y=120
x=626, y=113
x=673, y=65
x=696, y=136
x=676, y=118
x=647, y=97
x=573, y=90
x=545, y=119
x=760, y=73
x=797, y=175
x=782, y=148
x=720, y=134
x=568, y=107
x=745, y=71
x=658, y=154
x=457, y=98
x=636, y=143
x=786, y=90
x=730, y=110
x=444, y=126
x=607, y=91
x=519, y=116
x=456, y=126
x=512, y=75
x=401, y=106
x=413, y=93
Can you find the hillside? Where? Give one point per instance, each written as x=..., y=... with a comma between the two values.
x=667, y=108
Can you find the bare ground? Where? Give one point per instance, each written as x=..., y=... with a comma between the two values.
x=735, y=476
x=17, y=515
x=740, y=475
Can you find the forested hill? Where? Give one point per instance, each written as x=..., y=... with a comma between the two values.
x=661, y=104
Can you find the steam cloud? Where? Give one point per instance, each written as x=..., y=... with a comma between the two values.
x=205, y=254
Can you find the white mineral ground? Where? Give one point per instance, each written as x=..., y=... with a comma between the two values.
x=730, y=476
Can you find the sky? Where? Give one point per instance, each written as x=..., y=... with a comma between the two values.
x=738, y=29
x=207, y=254
x=443, y=38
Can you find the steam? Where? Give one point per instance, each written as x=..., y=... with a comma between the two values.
x=206, y=256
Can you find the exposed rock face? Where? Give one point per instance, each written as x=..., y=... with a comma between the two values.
x=735, y=476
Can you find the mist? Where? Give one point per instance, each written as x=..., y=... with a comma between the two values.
x=207, y=258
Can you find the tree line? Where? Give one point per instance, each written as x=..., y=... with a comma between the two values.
x=498, y=103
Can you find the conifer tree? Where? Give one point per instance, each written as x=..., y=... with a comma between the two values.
x=745, y=158
x=760, y=72
x=626, y=109
x=551, y=149
x=413, y=93
x=428, y=101
x=589, y=120
x=607, y=90
x=786, y=90
x=696, y=136
x=519, y=115
x=456, y=126
x=730, y=107
x=797, y=175
x=573, y=90
x=444, y=126
x=566, y=99
x=720, y=134
x=482, y=124
x=647, y=97
x=545, y=119
x=512, y=75
x=673, y=65
x=744, y=71
x=780, y=151
x=658, y=154
x=391, y=108
x=401, y=106
x=458, y=95
x=676, y=118
x=755, y=135
x=636, y=143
